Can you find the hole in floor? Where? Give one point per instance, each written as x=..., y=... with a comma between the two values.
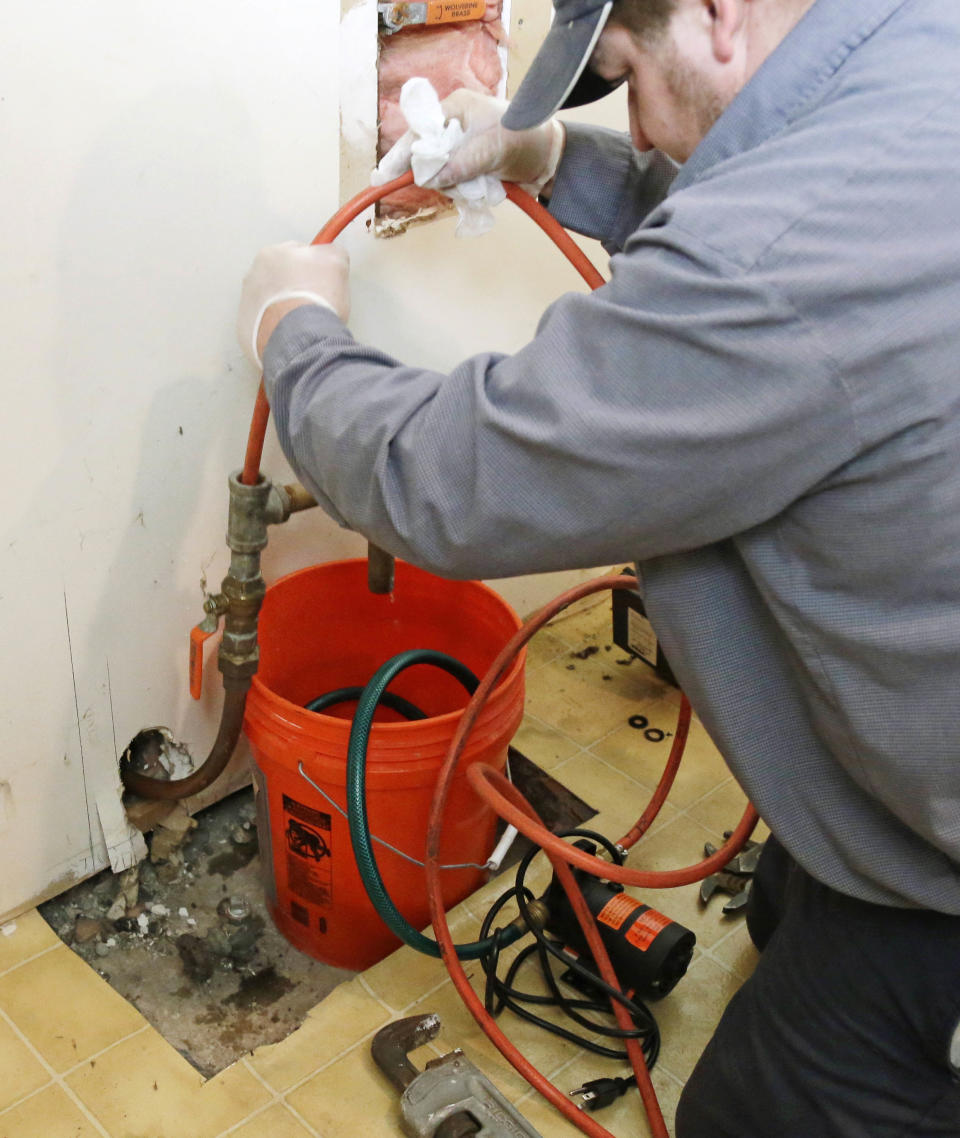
x=188, y=939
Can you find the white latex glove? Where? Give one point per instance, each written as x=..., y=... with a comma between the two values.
x=291, y=272
x=529, y=157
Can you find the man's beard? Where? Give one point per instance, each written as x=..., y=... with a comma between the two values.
x=690, y=91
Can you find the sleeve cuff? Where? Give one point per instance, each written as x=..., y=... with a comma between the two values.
x=601, y=160
x=296, y=332
x=604, y=188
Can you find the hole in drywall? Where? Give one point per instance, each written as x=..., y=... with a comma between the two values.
x=453, y=55
x=155, y=753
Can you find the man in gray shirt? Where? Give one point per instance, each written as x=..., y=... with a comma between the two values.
x=762, y=408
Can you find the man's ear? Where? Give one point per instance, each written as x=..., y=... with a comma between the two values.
x=726, y=18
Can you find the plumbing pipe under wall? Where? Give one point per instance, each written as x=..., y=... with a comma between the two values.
x=252, y=510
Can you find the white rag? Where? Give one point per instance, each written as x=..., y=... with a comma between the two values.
x=434, y=141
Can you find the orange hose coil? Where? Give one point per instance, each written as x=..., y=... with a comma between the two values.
x=498, y=791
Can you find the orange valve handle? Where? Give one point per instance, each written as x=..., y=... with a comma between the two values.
x=198, y=637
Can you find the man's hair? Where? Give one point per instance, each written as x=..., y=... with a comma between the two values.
x=644, y=19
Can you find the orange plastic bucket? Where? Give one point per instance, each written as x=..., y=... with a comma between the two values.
x=322, y=629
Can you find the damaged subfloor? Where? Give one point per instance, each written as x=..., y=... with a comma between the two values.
x=187, y=939
x=80, y=1060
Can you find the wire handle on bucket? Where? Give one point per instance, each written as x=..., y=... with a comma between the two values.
x=382, y=841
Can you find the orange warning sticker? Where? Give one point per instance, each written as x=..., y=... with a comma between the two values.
x=646, y=928
x=617, y=909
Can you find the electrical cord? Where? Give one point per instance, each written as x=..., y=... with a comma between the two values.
x=511, y=806
x=503, y=993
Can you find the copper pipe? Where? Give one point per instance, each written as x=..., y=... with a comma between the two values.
x=299, y=497
x=380, y=570
x=231, y=724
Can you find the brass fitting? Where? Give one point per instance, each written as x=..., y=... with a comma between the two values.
x=539, y=915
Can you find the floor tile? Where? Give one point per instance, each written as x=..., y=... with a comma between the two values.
x=23, y=1073
x=587, y=621
x=275, y=1122
x=406, y=974
x=144, y=1078
x=618, y=800
x=625, y=1118
x=544, y=647
x=26, y=935
x=722, y=809
x=702, y=768
x=736, y=951
x=49, y=1114
x=334, y=1025
x=89, y=1015
x=688, y=1016
x=459, y=1029
x=543, y=744
x=351, y=1098
x=587, y=699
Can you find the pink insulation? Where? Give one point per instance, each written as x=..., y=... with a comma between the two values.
x=450, y=56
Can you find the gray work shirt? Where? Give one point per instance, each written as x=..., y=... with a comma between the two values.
x=762, y=408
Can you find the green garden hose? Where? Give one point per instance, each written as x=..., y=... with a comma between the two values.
x=372, y=694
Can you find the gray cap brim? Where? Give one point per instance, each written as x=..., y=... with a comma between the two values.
x=555, y=70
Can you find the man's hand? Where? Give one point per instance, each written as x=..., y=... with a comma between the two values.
x=530, y=157
x=284, y=277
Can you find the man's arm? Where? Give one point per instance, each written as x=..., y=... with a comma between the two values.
x=604, y=187
x=680, y=404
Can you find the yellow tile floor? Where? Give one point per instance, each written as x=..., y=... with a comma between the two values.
x=78, y=1061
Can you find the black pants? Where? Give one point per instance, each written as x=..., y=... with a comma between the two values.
x=845, y=1028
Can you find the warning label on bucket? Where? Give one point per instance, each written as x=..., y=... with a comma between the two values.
x=309, y=869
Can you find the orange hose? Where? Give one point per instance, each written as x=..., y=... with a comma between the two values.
x=250, y=474
x=500, y=793
x=352, y=209
x=508, y=1049
x=557, y=234
x=510, y=804
x=645, y=821
x=505, y=799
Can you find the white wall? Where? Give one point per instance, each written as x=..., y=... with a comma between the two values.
x=148, y=151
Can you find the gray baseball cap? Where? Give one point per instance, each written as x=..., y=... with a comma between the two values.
x=559, y=76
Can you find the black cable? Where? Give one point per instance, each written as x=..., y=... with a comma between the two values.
x=503, y=992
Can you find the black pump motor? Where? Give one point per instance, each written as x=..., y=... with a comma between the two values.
x=649, y=951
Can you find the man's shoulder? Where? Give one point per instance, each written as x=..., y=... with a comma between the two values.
x=853, y=150
x=836, y=186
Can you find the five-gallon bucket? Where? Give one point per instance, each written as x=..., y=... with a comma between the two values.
x=321, y=629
